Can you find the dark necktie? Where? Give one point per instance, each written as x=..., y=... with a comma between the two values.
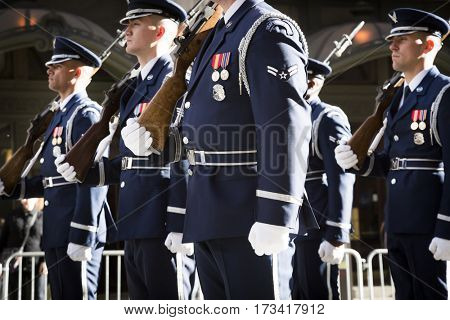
x=138, y=80
x=406, y=92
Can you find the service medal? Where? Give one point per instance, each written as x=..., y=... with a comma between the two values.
x=59, y=131
x=422, y=125
x=414, y=118
x=138, y=109
x=224, y=75
x=220, y=60
x=55, y=136
x=215, y=63
x=422, y=118
x=219, y=92
x=419, y=138
x=225, y=61
x=215, y=76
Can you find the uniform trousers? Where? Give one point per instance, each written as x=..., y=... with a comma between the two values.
x=229, y=269
x=72, y=280
x=415, y=273
x=312, y=279
x=152, y=271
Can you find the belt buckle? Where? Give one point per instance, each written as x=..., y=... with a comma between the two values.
x=47, y=182
x=191, y=157
x=395, y=163
x=127, y=163
x=202, y=157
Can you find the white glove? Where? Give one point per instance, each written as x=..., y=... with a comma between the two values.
x=67, y=171
x=2, y=187
x=331, y=254
x=78, y=252
x=440, y=248
x=345, y=157
x=137, y=138
x=175, y=245
x=104, y=144
x=268, y=239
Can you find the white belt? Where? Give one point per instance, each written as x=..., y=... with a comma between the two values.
x=222, y=158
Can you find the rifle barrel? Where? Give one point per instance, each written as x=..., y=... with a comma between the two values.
x=356, y=30
x=344, y=43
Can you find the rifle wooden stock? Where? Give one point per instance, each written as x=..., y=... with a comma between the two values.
x=12, y=170
x=363, y=137
x=82, y=155
x=157, y=114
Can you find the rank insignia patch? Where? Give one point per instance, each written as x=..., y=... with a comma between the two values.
x=284, y=74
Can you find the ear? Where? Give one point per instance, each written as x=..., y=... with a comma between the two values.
x=161, y=32
x=77, y=72
x=429, y=45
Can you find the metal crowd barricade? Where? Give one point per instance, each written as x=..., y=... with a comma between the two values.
x=32, y=256
x=108, y=254
x=348, y=272
x=119, y=255
x=377, y=253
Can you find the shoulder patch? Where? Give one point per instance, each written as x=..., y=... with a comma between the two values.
x=279, y=26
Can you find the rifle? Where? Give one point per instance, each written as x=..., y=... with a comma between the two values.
x=11, y=171
x=82, y=154
x=158, y=112
x=363, y=137
x=344, y=43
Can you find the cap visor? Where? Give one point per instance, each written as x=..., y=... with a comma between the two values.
x=399, y=34
x=56, y=61
x=124, y=21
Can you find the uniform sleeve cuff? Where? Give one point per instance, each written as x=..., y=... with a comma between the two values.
x=443, y=226
x=175, y=219
x=278, y=197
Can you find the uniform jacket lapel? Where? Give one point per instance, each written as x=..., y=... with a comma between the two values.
x=147, y=86
x=414, y=96
x=74, y=101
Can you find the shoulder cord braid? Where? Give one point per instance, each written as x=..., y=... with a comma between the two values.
x=245, y=43
x=94, y=108
x=434, y=114
x=328, y=111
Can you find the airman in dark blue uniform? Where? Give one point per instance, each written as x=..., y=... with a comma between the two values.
x=330, y=193
x=416, y=153
x=246, y=129
x=74, y=215
x=146, y=218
